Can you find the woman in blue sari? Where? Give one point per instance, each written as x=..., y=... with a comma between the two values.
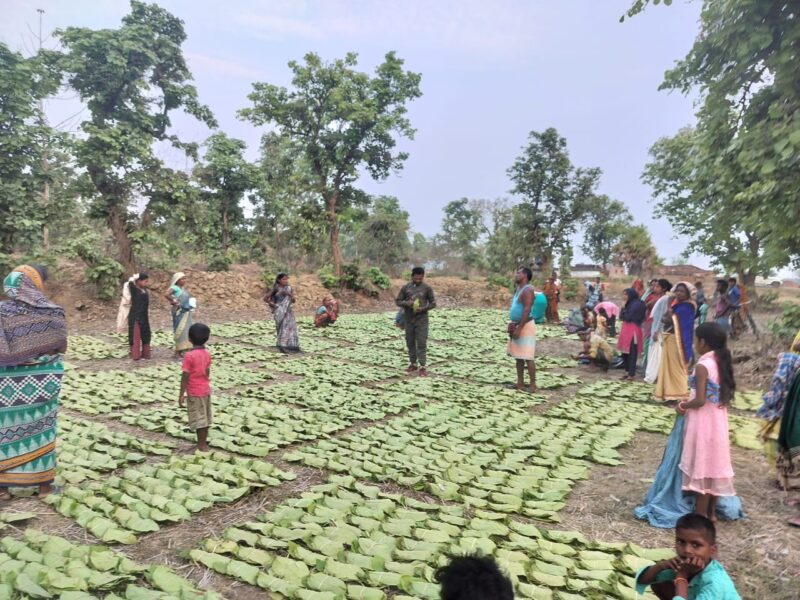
x=182, y=309
x=280, y=299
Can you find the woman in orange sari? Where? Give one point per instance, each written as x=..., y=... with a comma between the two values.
x=550, y=290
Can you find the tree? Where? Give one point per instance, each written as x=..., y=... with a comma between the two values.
x=635, y=251
x=23, y=138
x=344, y=121
x=605, y=223
x=131, y=79
x=383, y=237
x=741, y=181
x=555, y=195
x=462, y=226
x=226, y=176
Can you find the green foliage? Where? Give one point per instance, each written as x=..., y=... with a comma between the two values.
x=130, y=79
x=501, y=282
x=462, y=227
x=555, y=196
x=102, y=270
x=383, y=237
x=219, y=261
x=570, y=287
x=370, y=281
x=343, y=121
x=787, y=325
x=635, y=250
x=606, y=223
x=731, y=183
x=768, y=298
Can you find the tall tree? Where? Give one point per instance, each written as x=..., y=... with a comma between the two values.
x=605, y=223
x=462, y=227
x=345, y=122
x=24, y=137
x=555, y=194
x=741, y=179
x=383, y=238
x=226, y=176
x=131, y=79
x=635, y=251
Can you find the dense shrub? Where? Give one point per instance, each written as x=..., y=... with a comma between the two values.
x=495, y=282
x=220, y=262
x=371, y=281
x=104, y=272
x=788, y=324
x=569, y=288
x=768, y=298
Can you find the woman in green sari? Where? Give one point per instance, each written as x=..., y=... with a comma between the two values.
x=183, y=306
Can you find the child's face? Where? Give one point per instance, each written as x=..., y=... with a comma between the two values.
x=690, y=543
x=700, y=347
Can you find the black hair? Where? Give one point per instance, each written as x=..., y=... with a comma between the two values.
x=733, y=279
x=665, y=284
x=199, y=334
x=474, y=578
x=698, y=284
x=602, y=311
x=715, y=338
x=418, y=271
x=527, y=271
x=723, y=285
x=142, y=276
x=699, y=523
x=280, y=276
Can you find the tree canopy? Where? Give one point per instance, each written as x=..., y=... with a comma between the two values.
x=343, y=120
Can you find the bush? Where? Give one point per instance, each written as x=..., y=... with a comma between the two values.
x=378, y=277
x=501, y=282
x=768, y=298
x=371, y=281
x=788, y=324
x=102, y=271
x=570, y=288
x=219, y=262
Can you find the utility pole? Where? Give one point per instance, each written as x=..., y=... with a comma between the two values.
x=46, y=149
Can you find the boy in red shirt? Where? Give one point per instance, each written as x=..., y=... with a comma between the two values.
x=195, y=384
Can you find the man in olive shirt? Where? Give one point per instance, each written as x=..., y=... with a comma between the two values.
x=416, y=298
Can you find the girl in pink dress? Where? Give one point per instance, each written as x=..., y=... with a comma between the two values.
x=706, y=457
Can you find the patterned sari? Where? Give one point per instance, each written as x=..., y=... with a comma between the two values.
x=181, y=319
x=32, y=329
x=285, y=323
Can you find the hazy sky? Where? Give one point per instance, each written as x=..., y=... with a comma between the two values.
x=491, y=73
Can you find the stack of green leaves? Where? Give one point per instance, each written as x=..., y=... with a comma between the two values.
x=657, y=419
x=464, y=393
x=242, y=425
x=237, y=354
x=751, y=400
x=343, y=539
x=86, y=347
x=616, y=391
x=487, y=373
x=334, y=371
x=505, y=460
x=140, y=500
x=48, y=566
x=88, y=450
x=347, y=402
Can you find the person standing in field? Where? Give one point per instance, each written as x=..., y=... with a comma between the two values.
x=630, y=336
x=522, y=329
x=550, y=290
x=195, y=390
x=139, y=333
x=416, y=299
x=281, y=300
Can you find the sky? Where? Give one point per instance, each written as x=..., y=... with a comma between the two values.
x=491, y=73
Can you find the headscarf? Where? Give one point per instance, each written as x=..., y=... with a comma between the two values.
x=638, y=286
x=635, y=310
x=37, y=274
x=30, y=325
x=176, y=278
x=692, y=293
x=774, y=400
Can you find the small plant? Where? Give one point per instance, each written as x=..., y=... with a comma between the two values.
x=328, y=278
x=768, y=298
x=788, y=324
x=219, y=262
x=102, y=271
x=370, y=281
x=378, y=277
x=499, y=282
x=570, y=289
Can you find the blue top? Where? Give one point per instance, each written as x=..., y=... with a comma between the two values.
x=515, y=313
x=712, y=583
x=539, y=308
x=735, y=295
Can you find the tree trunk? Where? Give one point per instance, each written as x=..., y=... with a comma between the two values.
x=749, y=281
x=45, y=228
x=225, y=231
x=119, y=230
x=333, y=221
